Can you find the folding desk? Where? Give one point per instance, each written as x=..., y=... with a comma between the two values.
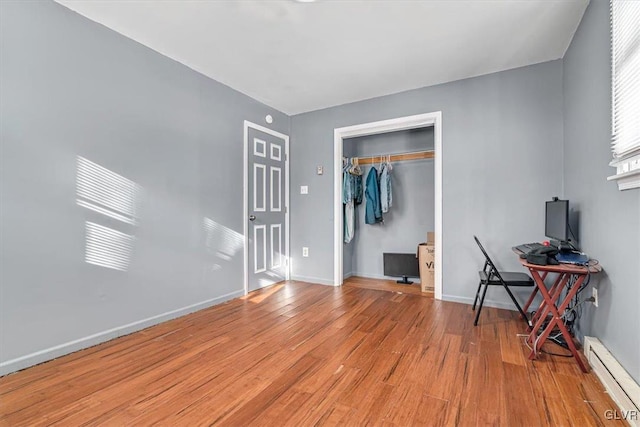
x=551, y=303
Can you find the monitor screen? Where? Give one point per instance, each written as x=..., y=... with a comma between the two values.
x=400, y=265
x=556, y=220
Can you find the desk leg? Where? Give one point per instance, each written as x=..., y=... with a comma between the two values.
x=549, y=298
x=558, y=321
x=543, y=310
x=536, y=321
x=533, y=294
x=561, y=309
x=548, y=305
x=555, y=292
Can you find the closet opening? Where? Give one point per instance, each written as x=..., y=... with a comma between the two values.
x=412, y=146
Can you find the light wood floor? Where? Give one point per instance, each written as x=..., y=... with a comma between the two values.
x=301, y=354
x=386, y=285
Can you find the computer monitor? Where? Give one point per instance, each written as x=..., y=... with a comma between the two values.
x=401, y=265
x=556, y=220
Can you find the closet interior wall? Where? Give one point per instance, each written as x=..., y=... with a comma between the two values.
x=412, y=213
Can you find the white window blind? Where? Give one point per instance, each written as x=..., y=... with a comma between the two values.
x=625, y=108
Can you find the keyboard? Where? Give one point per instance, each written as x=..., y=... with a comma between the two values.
x=525, y=248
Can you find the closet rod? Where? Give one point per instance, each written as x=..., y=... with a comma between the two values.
x=416, y=155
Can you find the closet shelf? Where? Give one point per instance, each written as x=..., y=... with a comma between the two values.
x=416, y=155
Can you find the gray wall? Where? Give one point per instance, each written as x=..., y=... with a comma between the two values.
x=71, y=87
x=502, y=158
x=412, y=215
x=609, y=219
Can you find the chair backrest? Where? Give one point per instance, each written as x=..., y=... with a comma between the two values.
x=493, y=271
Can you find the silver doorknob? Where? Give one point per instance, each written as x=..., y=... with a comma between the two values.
x=252, y=217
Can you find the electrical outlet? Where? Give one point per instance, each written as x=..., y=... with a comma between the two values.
x=305, y=251
x=594, y=294
x=304, y=189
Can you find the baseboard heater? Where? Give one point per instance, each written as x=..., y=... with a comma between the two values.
x=619, y=384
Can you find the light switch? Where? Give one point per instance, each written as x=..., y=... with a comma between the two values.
x=304, y=189
x=320, y=170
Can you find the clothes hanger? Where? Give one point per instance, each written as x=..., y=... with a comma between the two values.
x=353, y=167
x=357, y=169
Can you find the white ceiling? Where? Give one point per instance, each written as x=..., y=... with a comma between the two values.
x=299, y=57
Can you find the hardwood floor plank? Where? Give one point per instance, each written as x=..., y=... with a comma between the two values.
x=431, y=411
x=519, y=408
x=334, y=416
x=323, y=397
x=548, y=399
x=388, y=285
x=512, y=347
x=255, y=406
x=303, y=355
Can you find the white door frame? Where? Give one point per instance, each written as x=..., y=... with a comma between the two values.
x=245, y=215
x=373, y=128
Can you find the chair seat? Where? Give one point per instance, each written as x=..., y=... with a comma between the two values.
x=511, y=278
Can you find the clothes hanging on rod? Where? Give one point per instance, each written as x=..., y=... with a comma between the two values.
x=378, y=187
x=351, y=194
x=373, y=209
x=386, y=195
x=356, y=176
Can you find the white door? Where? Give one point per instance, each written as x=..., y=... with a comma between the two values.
x=266, y=222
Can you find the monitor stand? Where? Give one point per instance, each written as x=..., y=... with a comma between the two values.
x=405, y=281
x=565, y=247
x=562, y=246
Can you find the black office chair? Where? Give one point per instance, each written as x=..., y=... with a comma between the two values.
x=490, y=275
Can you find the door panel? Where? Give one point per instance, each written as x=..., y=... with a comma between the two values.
x=267, y=209
x=259, y=248
x=276, y=246
x=259, y=187
x=276, y=186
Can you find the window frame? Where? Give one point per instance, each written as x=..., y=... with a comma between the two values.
x=625, y=52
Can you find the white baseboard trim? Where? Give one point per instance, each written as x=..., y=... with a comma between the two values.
x=51, y=353
x=309, y=279
x=487, y=303
x=618, y=383
x=345, y=276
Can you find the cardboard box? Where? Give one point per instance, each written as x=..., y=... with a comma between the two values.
x=426, y=260
x=431, y=238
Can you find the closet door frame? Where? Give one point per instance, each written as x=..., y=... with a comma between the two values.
x=417, y=121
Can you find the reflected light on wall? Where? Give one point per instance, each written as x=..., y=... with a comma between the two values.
x=106, y=192
x=222, y=241
x=107, y=247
